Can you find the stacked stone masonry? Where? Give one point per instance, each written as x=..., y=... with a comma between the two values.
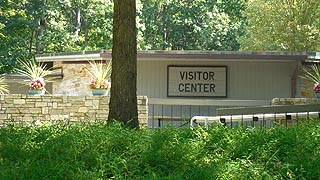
x=75, y=80
x=294, y=101
x=27, y=109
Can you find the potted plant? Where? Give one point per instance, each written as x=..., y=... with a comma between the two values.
x=316, y=89
x=3, y=86
x=36, y=73
x=313, y=75
x=100, y=74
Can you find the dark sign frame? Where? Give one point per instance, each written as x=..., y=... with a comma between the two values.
x=197, y=66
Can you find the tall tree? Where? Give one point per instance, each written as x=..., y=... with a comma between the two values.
x=282, y=25
x=14, y=33
x=28, y=27
x=192, y=25
x=123, y=100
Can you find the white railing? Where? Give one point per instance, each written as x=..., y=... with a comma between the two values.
x=208, y=102
x=275, y=113
x=178, y=111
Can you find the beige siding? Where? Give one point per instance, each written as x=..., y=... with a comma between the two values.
x=246, y=80
x=260, y=80
x=152, y=78
x=257, y=80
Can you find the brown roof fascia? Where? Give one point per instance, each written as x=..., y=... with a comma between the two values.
x=208, y=55
x=212, y=55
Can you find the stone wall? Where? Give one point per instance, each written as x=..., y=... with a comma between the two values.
x=26, y=109
x=294, y=101
x=75, y=79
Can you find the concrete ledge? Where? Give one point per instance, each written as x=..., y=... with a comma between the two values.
x=294, y=101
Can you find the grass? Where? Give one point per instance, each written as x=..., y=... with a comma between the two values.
x=113, y=152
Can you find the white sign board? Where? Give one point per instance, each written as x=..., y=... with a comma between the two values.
x=197, y=81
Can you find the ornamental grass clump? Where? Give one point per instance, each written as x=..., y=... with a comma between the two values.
x=313, y=75
x=3, y=86
x=35, y=72
x=100, y=74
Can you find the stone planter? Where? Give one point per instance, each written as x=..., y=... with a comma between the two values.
x=317, y=95
x=100, y=92
x=36, y=92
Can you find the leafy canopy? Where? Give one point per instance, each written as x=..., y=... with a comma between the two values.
x=278, y=25
x=29, y=27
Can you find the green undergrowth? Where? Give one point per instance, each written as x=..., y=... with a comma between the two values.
x=113, y=152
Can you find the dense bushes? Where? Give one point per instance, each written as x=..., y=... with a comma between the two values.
x=110, y=151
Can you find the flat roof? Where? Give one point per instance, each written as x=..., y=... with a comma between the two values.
x=182, y=55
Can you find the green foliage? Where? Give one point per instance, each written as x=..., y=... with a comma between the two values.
x=32, y=70
x=14, y=28
x=113, y=152
x=276, y=25
x=313, y=75
x=190, y=25
x=29, y=27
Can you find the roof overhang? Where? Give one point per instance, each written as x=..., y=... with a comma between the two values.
x=180, y=56
x=69, y=58
x=313, y=58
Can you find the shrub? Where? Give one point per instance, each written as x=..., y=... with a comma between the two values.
x=113, y=152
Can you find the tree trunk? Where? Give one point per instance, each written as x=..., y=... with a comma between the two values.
x=86, y=34
x=78, y=21
x=123, y=100
x=40, y=24
x=31, y=40
x=165, y=28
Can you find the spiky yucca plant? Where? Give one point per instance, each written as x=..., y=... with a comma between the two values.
x=100, y=73
x=35, y=72
x=32, y=69
x=313, y=75
x=3, y=86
